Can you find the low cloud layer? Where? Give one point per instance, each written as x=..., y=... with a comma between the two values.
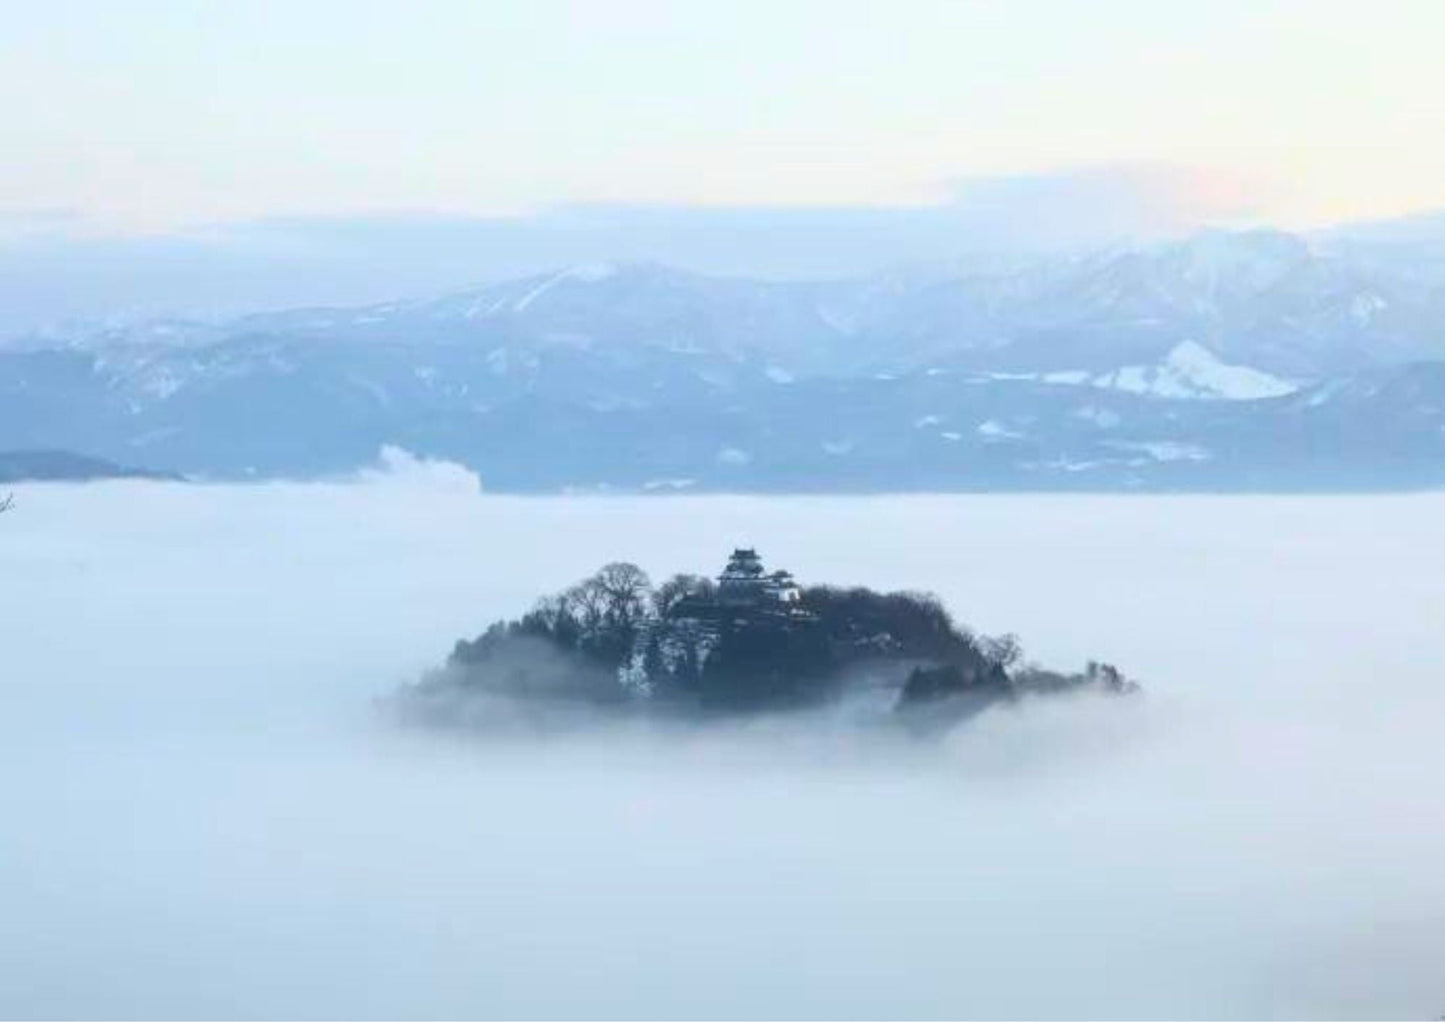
x=205, y=817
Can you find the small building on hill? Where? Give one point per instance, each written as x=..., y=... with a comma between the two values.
x=744, y=583
x=745, y=588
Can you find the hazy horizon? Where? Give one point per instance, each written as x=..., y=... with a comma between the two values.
x=159, y=161
x=56, y=278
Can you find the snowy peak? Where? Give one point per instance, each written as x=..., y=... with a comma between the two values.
x=1267, y=300
x=590, y=273
x=1253, y=259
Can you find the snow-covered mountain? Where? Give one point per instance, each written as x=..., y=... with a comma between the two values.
x=1268, y=300
x=1173, y=365
x=1188, y=371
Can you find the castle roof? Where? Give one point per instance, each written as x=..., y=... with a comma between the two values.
x=744, y=563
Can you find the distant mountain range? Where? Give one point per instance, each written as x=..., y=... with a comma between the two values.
x=1228, y=361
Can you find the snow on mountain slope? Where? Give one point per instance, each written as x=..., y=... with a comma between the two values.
x=1274, y=302
x=587, y=274
x=1189, y=372
x=621, y=374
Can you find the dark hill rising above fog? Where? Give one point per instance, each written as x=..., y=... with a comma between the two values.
x=749, y=642
x=1255, y=361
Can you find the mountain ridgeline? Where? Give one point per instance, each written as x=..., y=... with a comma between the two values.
x=748, y=642
x=1246, y=362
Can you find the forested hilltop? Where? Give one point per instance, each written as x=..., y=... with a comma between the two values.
x=748, y=642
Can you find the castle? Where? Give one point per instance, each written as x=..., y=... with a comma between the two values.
x=745, y=589
x=743, y=583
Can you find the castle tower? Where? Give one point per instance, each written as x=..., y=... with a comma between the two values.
x=742, y=581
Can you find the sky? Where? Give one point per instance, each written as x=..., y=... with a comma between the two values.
x=157, y=116
x=205, y=816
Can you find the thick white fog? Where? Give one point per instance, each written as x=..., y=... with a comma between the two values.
x=202, y=815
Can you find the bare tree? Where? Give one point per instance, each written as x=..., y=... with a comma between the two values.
x=625, y=589
x=7, y=503
x=587, y=603
x=678, y=588
x=1003, y=650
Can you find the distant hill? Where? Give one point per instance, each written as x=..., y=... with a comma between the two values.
x=67, y=466
x=1248, y=361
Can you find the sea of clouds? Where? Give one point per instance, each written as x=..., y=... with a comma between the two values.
x=203, y=814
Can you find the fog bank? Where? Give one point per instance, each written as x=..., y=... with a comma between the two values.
x=203, y=816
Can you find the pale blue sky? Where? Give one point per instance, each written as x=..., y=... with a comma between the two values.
x=158, y=114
